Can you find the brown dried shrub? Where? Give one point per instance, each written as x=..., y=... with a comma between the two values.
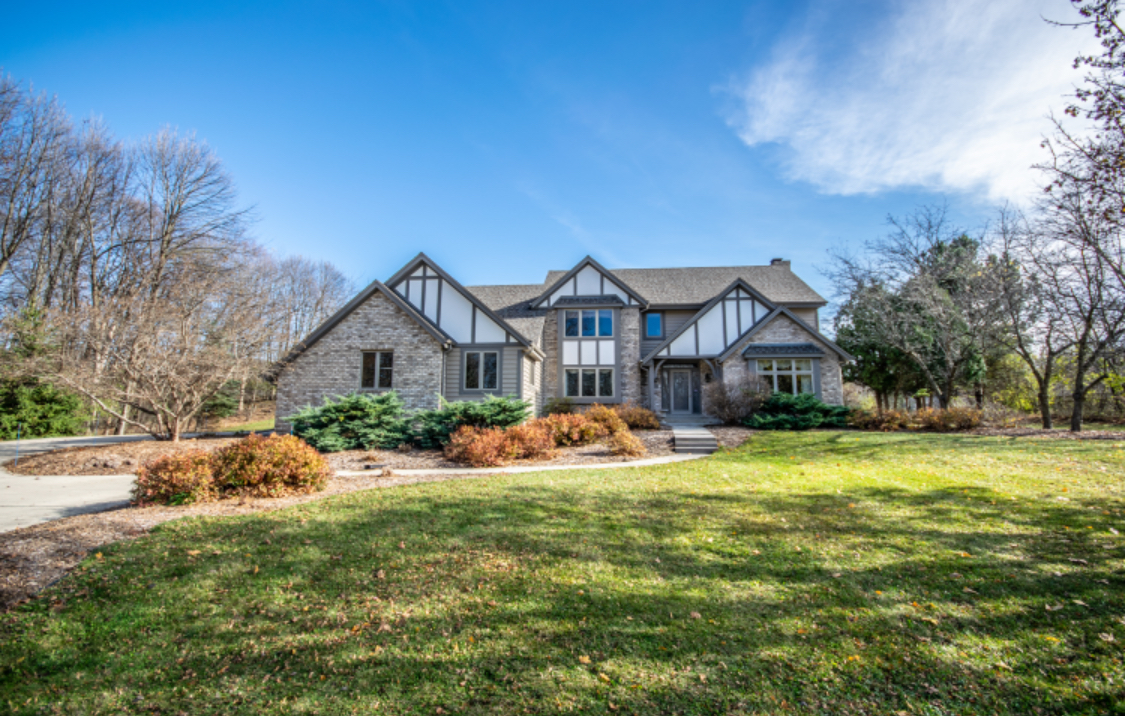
x=625, y=443
x=177, y=479
x=258, y=466
x=606, y=417
x=637, y=418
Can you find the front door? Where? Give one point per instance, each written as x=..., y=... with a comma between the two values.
x=681, y=390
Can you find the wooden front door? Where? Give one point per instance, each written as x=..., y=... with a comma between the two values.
x=680, y=385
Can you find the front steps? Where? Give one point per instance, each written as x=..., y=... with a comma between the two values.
x=693, y=439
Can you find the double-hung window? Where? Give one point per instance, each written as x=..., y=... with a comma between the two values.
x=378, y=369
x=788, y=375
x=588, y=324
x=482, y=370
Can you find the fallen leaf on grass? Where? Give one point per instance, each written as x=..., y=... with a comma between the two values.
x=1106, y=637
x=970, y=591
x=191, y=552
x=604, y=678
x=1078, y=561
x=696, y=615
x=1080, y=602
x=1054, y=608
x=583, y=660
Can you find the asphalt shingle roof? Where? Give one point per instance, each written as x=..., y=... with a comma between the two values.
x=693, y=286
x=783, y=349
x=699, y=285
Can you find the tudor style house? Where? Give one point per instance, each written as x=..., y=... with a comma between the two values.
x=648, y=336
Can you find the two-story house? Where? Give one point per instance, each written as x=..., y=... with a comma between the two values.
x=594, y=335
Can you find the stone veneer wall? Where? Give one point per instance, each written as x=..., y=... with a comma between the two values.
x=785, y=330
x=332, y=365
x=549, y=370
x=629, y=362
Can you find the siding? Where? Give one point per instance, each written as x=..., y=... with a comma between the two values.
x=509, y=374
x=673, y=321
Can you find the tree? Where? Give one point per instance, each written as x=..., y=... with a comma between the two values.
x=923, y=293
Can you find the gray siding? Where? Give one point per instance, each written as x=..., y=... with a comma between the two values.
x=673, y=321
x=509, y=373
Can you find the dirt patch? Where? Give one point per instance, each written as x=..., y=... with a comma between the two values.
x=123, y=458
x=730, y=436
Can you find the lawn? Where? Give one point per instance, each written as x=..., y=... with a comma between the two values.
x=824, y=572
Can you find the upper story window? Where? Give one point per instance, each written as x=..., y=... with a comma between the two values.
x=654, y=325
x=378, y=369
x=588, y=323
x=788, y=375
x=482, y=370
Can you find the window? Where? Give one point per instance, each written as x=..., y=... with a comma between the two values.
x=571, y=319
x=588, y=324
x=654, y=325
x=589, y=382
x=788, y=375
x=378, y=367
x=482, y=370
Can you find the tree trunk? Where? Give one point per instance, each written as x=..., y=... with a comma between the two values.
x=1076, y=416
x=1045, y=405
x=121, y=424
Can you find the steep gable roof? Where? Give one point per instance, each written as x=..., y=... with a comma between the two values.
x=558, y=283
x=374, y=287
x=737, y=285
x=513, y=304
x=697, y=286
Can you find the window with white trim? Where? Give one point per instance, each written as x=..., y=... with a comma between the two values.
x=588, y=382
x=788, y=375
x=482, y=370
x=378, y=369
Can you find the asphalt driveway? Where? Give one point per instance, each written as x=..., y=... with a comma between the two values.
x=30, y=499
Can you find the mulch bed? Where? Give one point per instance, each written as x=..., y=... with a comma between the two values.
x=731, y=436
x=1054, y=434
x=123, y=458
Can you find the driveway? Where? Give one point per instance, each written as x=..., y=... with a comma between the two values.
x=30, y=499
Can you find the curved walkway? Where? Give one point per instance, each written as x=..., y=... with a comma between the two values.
x=32, y=499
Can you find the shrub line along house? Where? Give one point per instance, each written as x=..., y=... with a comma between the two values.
x=653, y=337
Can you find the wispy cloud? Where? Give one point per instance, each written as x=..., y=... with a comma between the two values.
x=946, y=95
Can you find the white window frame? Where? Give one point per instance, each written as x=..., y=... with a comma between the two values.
x=770, y=369
x=375, y=378
x=480, y=372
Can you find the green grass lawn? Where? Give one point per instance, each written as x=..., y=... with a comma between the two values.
x=825, y=572
x=251, y=427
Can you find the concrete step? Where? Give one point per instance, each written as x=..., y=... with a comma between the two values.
x=693, y=439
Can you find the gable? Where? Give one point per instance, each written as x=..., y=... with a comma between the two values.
x=449, y=306
x=718, y=326
x=589, y=278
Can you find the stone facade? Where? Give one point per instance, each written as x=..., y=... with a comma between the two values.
x=332, y=365
x=785, y=330
x=549, y=385
x=630, y=359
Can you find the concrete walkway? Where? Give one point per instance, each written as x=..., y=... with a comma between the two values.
x=31, y=499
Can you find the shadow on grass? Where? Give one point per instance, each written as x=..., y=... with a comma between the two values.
x=521, y=596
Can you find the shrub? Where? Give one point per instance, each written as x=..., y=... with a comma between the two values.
x=431, y=428
x=479, y=447
x=530, y=441
x=175, y=480
x=572, y=429
x=887, y=421
x=736, y=401
x=558, y=406
x=636, y=417
x=784, y=411
x=269, y=467
x=605, y=417
x=223, y=403
x=625, y=443
x=947, y=420
x=38, y=410
x=359, y=421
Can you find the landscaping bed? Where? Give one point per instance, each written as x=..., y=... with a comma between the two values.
x=122, y=458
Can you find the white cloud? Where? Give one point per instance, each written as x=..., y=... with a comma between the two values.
x=946, y=95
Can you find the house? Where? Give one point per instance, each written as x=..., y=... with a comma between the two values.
x=594, y=335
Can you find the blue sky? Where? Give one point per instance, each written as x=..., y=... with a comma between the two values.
x=509, y=138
